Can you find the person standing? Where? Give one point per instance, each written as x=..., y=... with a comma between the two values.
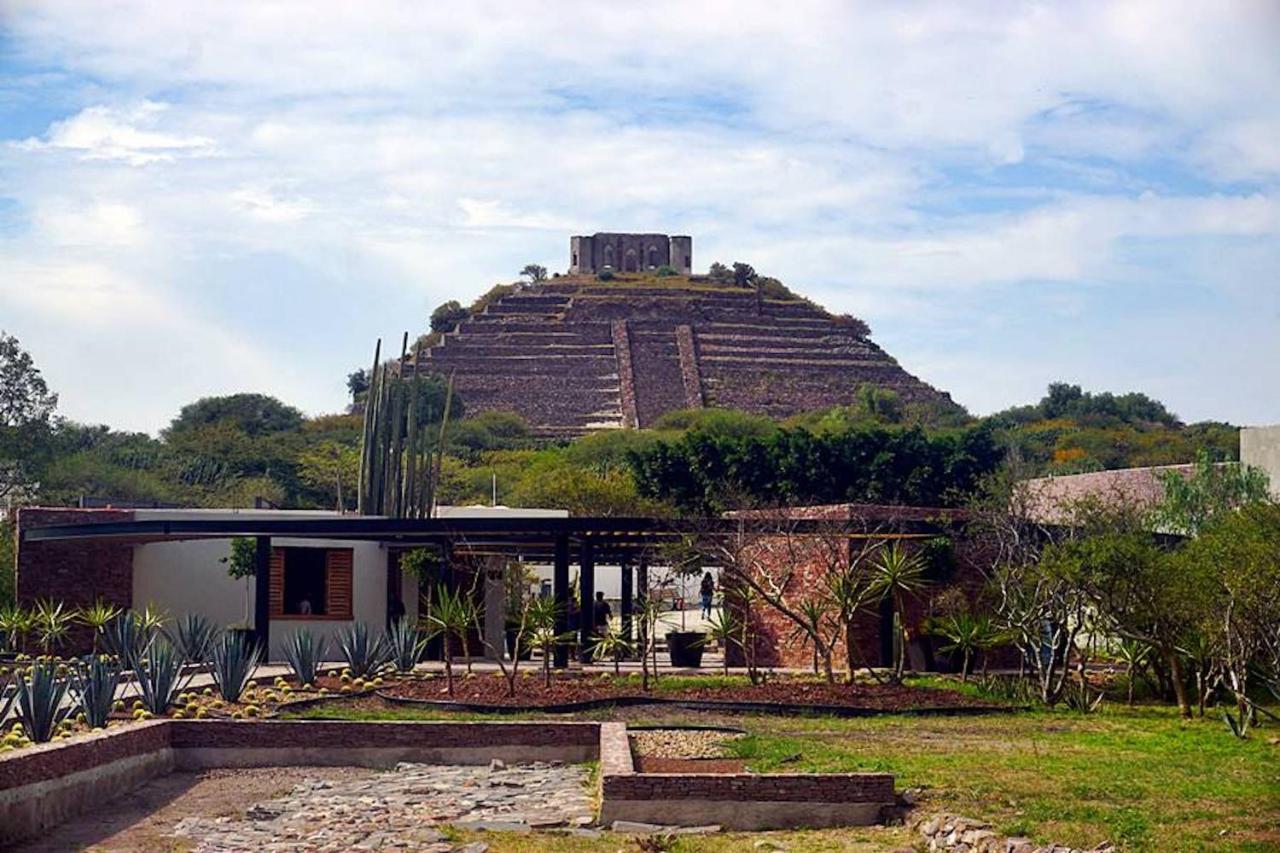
x=708, y=591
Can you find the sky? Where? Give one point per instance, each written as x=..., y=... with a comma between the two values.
x=206, y=198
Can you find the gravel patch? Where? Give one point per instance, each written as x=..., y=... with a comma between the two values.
x=681, y=743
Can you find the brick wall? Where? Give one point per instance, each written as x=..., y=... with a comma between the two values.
x=189, y=734
x=73, y=572
x=61, y=758
x=747, y=787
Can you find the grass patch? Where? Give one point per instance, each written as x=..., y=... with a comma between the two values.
x=1141, y=778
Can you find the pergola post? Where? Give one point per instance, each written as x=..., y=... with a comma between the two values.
x=587, y=606
x=262, y=594
x=642, y=598
x=626, y=605
x=560, y=592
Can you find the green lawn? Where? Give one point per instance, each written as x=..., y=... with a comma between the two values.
x=1141, y=778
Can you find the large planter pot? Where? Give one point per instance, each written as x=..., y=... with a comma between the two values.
x=685, y=648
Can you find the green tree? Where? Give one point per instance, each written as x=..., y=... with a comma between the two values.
x=8, y=562
x=534, y=272
x=447, y=316
x=27, y=410
x=896, y=575
x=743, y=274
x=332, y=468
x=252, y=414
x=1190, y=503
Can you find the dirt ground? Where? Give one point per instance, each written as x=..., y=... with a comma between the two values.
x=144, y=819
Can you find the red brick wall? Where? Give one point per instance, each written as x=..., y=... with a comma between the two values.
x=746, y=787
x=75, y=573
x=778, y=643
x=427, y=735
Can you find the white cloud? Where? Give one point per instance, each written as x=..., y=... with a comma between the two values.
x=308, y=187
x=106, y=133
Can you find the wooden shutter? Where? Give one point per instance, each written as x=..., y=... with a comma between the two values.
x=277, y=583
x=337, y=566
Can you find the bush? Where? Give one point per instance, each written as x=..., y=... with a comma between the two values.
x=194, y=636
x=235, y=658
x=364, y=655
x=304, y=655
x=605, y=275
x=664, y=271
x=447, y=316
x=94, y=682
x=40, y=702
x=159, y=675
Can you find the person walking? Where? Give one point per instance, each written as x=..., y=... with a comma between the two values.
x=708, y=590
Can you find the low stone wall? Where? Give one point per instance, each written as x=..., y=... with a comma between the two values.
x=280, y=743
x=43, y=785
x=739, y=801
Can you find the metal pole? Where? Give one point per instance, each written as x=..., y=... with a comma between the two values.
x=628, y=592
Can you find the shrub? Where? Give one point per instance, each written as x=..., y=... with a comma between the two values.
x=235, y=657
x=41, y=705
x=664, y=271
x=158, y=671
x=363, y=654
x=94, y=682
x=605, y=275
x=194, y=637
x=304, y=655
x=124, y=637
x=406, y=646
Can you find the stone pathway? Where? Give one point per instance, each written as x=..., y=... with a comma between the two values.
x=404, y=808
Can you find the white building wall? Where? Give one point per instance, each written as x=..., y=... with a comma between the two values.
x=190, y=577
x=1260, y=447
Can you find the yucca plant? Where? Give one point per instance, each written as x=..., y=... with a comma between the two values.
x=304, y=655
x=722, y=628
x=364, y=654
x=449, y=616
x=896, y=575
x=97, y=616
x=611, y=645
x=406, y=645
x=15, y=624
x=93, y=682
x=124, y=638
x=235, y=658
x=541, y=625
x=158, y=670
x=151, y=619
x=1135, y=655
x=968, y=635
x=194, y=637
x=41, y=705
x=53, y=621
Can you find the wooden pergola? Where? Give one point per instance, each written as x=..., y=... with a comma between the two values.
x=621, y=541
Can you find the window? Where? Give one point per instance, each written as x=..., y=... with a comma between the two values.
x=311, y=583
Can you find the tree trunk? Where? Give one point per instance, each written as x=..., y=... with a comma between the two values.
x=1179, y=683
x=964, y=668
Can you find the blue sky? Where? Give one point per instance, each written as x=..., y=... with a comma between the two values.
x=202, y=198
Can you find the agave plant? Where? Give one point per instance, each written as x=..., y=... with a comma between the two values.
x=194, y=637
x=15, y=624
x=124, y=638
x=363, y=654
x=93, y=682
x=53, y=621
x=97, y=617
x=235, y=658
x=158, y=670
x=151, y=619
x=304, y=655
x=406, y=645
x=41, y=705
x=611, y=645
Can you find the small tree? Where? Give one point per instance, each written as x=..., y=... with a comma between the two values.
x=968, y=635
x=541, y=623
x=898, y=575
x=534, y=272
x=719, y=273
x=240, y=562
x=450, y=615
x=743, y=274
x=612, y=644
x=447, y=316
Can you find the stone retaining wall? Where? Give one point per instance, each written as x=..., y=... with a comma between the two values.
x=739, y=801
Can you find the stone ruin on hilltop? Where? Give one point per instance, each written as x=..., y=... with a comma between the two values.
x=576, y=354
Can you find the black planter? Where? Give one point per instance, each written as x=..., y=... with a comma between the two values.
x=685, y=648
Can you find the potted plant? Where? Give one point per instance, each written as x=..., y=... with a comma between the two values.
x=685, y=648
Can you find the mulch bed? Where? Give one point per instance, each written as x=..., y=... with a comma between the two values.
x=570, y=690
x=650, y=764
